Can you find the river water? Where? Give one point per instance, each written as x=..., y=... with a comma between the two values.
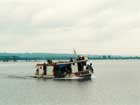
x=116, y=83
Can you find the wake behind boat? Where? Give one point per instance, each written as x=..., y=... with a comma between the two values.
x=73, y=69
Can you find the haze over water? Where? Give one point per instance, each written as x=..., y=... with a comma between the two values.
x=116, y=83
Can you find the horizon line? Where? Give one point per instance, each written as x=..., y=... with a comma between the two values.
x=72, y=53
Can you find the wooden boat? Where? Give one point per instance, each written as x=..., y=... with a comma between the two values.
x=73, y=69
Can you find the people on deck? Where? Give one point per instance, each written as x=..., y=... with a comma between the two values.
x=81, y=64
x=49, y=61
x=91, y=68
x=44, y=69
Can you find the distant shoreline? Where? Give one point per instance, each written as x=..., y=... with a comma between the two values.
x=5, y=57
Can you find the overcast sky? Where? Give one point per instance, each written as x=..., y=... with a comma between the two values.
x=58, y=26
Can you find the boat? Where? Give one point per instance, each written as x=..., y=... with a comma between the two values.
x=77, y=68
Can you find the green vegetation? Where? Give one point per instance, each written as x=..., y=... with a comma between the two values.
x=45, y=56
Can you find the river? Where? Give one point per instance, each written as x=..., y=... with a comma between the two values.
x=116, y=82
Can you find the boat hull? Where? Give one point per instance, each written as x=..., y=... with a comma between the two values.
x=87, y=76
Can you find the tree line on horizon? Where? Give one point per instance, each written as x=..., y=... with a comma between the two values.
x=45, y=56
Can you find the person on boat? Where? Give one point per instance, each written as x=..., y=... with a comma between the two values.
x=49, y=61
x=87, y=67
x=80, y=66
x=44, y=69
x=56, y=69
x=91, y=68
x=71, y=60
x=84, y=62
x=69, y=70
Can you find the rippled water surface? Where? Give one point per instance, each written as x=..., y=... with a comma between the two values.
x=116, y=83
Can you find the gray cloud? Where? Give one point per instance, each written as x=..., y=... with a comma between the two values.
x=96, y=27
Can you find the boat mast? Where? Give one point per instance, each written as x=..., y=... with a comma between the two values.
x=75, y=54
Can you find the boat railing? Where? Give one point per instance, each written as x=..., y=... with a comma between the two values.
x=59, y=63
